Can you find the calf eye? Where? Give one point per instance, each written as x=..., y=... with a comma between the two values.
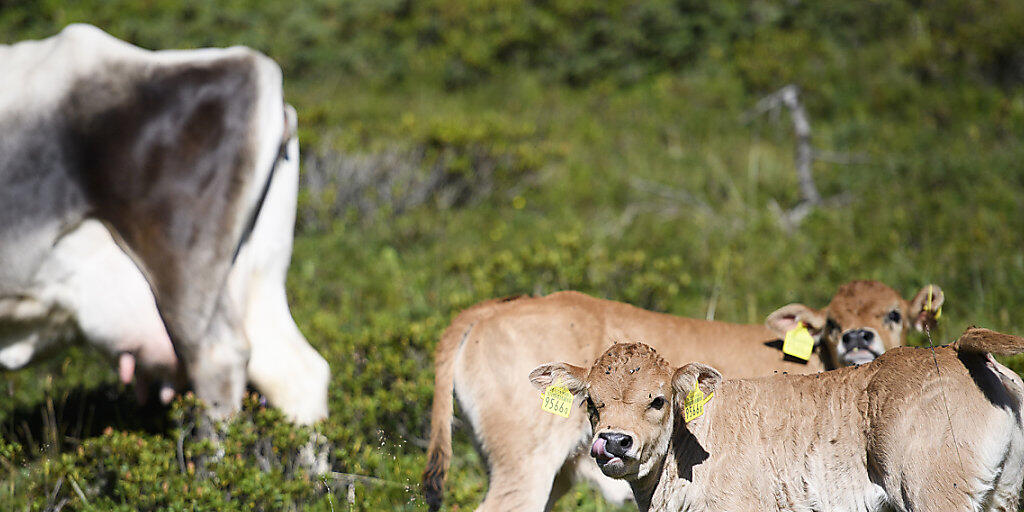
x=658, y=403
x=592, y=411
x=894, y=316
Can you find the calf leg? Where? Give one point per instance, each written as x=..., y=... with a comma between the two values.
x=563, y=483
x=531, y=465
x=522, y=482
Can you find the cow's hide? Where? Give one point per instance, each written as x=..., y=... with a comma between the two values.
x=174, y=152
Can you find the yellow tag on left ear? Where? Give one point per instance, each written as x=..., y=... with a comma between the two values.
x=798, y=343
x=557, y=400
x=693, y=404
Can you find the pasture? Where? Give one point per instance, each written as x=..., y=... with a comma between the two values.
x=454, y=152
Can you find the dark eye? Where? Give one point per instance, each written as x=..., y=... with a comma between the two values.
x=592, y=411
x=894, y=317
x=658, y=403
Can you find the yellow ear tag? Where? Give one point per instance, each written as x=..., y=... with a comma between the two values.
x=928, y=306
x=798, y=343
x=693, y=404
x=557, y=400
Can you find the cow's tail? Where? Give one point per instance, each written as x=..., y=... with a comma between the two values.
x=979, y=340
x=439, y=452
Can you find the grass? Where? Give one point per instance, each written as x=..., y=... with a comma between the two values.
x=654, y=191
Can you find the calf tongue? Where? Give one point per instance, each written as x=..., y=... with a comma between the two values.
x=598, y=449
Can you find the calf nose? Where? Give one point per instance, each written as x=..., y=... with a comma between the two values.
x=617, y=444
x=858, y=338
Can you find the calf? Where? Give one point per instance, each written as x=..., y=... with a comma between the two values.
x=916, y=429
x=489, y=347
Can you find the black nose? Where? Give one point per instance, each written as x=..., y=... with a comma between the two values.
x=618, y=444
x=859, y=338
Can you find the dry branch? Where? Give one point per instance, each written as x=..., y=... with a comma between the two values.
x=788, y=96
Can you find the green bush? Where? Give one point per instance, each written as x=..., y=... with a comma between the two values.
x=447, y=162
x=455, y=43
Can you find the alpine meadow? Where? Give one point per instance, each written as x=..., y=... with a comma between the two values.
x=455, y=151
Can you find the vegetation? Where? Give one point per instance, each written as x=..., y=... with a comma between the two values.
x=504, y=147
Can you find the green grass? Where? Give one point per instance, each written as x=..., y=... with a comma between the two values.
x=643, y=185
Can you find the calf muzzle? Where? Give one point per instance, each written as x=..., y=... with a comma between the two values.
x=611, y=444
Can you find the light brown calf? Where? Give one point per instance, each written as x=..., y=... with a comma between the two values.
x=914, y=430
x=534, y=457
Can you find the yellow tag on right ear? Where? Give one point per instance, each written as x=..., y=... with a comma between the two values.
x=557, y=400
x=693, y=404
x=928, y=306
x=798, y=343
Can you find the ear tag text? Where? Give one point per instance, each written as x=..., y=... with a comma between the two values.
x=557, y=400
x=928, y=306
x=798, y=343
x=693, y=404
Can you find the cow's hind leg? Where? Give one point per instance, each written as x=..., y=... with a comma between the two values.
x=283, y=366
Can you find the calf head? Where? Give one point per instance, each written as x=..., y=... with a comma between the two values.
x=633, y=397
x=864, y=319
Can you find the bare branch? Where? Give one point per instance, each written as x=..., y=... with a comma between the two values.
x=804, y=153
x=789, y=97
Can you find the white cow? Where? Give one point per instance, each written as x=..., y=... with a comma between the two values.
x=190, y=162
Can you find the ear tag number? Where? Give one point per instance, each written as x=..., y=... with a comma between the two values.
x=798, y=343
x=693, y=404
x=928, y=306
x=557, y=400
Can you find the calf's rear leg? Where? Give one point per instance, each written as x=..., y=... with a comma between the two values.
x=523, y=485
x=530, y=472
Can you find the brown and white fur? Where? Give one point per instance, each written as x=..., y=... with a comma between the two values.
x=488, y=349
x=915, y=429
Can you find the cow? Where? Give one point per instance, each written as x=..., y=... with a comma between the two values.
x=915, y=429
x=487, y=349
x=189, y=159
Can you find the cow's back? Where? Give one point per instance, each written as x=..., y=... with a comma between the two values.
x=171, y=150
x=94, y=126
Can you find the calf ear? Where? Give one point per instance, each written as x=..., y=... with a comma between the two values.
x=706, y=377
x=572, y=377
x=790, y=316
x=926, y=307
